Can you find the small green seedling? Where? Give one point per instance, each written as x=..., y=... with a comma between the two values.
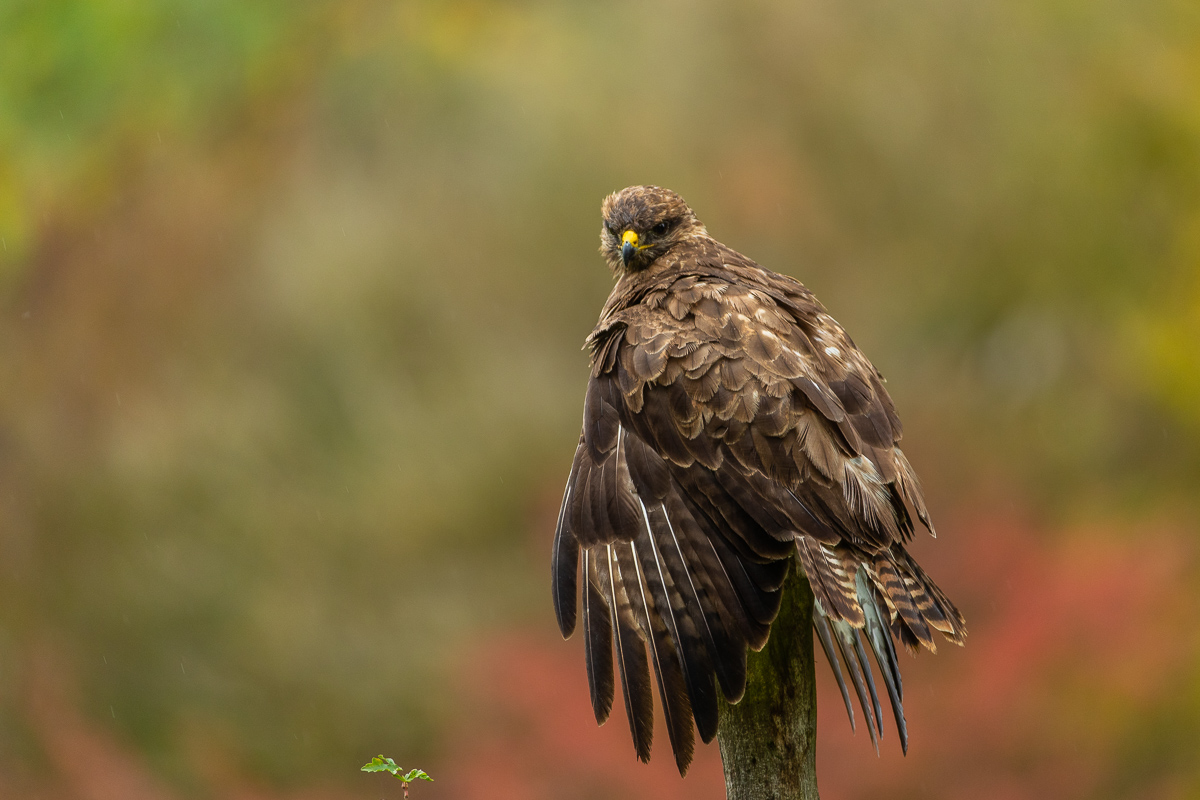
x=381, y=764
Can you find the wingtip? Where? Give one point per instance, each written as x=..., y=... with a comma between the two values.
x=566, y=626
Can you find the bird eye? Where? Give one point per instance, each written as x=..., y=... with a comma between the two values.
x=608, y=227
x=661, y=228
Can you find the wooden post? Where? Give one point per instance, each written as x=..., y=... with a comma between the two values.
x=769, y=739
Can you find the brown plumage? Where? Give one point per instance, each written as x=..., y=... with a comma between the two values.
x=730, y=428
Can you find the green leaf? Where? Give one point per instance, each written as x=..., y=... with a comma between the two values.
x=413, y=774
x=381, y=764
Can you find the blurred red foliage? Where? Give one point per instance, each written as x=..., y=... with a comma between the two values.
x=1072, y=635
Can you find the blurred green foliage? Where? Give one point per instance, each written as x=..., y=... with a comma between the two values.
x=293, y=294
x=86, y=85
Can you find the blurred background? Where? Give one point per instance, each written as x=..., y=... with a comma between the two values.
x=292, y=296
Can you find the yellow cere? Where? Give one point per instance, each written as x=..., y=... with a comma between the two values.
x=631, y=237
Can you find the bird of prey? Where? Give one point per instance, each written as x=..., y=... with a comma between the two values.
x=730, y=427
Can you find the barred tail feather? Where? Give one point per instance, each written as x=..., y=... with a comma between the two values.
x=825, y=635
x=893, y=599
x=885, y=655
x=935, y=607
x=846, y=637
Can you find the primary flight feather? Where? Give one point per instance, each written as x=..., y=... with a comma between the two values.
x=730, y=427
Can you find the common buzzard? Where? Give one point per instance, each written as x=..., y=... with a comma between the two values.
x=730, y=426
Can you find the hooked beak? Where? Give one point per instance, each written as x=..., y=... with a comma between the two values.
x=630, y=246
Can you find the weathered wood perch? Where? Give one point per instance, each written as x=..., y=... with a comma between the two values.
x=769, y=739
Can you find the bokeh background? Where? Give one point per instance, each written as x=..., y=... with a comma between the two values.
x=291, y=303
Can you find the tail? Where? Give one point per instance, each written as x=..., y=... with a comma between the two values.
x=880, y=599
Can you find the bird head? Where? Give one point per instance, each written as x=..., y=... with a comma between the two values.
x=641, y=223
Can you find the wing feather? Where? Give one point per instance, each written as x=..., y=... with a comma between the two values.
x=668, y=671
x=631, y=657
x=565, y=558
x=597, y=642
